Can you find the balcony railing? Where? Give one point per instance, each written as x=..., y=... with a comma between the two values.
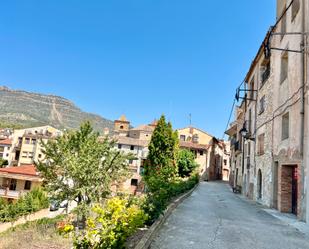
x=14, y=194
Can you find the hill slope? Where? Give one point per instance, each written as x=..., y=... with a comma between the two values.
x=31, y=109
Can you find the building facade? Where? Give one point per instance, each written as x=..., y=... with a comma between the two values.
x=273, y=128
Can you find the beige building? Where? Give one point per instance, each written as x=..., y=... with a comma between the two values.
x=211, y=154
x=27, y=144
x=16, y=181
x=274, y=158
x=135, y=141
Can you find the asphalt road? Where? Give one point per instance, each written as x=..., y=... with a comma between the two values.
x=213, y=217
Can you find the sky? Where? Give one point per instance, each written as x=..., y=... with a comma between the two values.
x=141, y=58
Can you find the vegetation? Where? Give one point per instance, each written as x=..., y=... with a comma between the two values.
x=161, y=172
x=33, y=201
x=3, y=162
x=161, y=167
x=80, y=167
x=111, y=224
x=186, y=163
x=42, y=233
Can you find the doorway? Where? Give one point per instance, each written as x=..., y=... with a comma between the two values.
x=259, y=184
x=289, y=189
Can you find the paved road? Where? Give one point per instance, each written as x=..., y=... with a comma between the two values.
x=213, y=217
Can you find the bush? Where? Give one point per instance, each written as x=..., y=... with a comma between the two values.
x=111, y=224
x=33, y=201
x=156, y=202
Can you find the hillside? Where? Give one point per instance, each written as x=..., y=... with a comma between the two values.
x=26, y=109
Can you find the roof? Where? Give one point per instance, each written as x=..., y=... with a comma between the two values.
x=143, y=128
x=188, y=127
x=131, y=141
x=28, y=170
x=6, y=141
x=232, y=130
x=191, y=145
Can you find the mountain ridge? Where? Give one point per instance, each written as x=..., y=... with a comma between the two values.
x=26, y=109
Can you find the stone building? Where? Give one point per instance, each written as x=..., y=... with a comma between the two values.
x=275, y=107
x=211, y=154
x=135, y=141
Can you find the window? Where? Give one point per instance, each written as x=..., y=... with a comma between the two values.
x=121, y=127
x=201, y=153
x=27, y=185
x=134, y=182
x=30, y=154
x=132, y=147
x=40, y=156
x=285, y=126
x=119, y=146
x=283, y=24
x=284, y=66
x=295, y=8
x=248, y=149
x=262, y=105
x=33, y=141
x=265, y=71
x=225, y=162
x=24, y=154
x=250, y=121
x=252, y=88
x=195, y=138
x=27, y=140
x=130, y=161
x=182, y=138
x=261, y=139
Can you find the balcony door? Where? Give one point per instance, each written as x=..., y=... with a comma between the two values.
x=13, y=184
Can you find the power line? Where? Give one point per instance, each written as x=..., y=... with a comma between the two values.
x=228, y=122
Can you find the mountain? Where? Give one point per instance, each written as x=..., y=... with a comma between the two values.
x=26, y=109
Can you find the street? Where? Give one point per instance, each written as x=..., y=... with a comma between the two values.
x=214, y=217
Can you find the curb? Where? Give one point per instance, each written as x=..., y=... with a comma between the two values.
x=146, y=240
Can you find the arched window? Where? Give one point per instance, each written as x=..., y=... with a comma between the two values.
x=121, y=127
x=259, y=184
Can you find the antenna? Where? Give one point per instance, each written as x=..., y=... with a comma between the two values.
x=190, y=119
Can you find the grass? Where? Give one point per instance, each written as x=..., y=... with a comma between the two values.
x=39, y=234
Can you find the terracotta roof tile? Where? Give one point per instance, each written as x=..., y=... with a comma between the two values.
x=21, y=170
x=191, y=145
x=6, y=141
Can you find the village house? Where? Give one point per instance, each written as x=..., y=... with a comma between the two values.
x=211, y=154
x=270, y=122
x=16, y=181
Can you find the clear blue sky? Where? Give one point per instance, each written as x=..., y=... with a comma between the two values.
x=139, y=57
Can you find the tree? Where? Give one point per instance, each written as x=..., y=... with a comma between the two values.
x=186, y=163
x=161, y=161
x=77, y=166
x=3, y=162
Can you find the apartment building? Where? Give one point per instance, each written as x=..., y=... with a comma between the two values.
x=27, y=144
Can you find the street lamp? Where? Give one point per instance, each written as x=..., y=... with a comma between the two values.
x=246, y=135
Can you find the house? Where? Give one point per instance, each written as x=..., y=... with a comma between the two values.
x=6, y=150
x=208, y=151
x=133, y=140
x=16, y=181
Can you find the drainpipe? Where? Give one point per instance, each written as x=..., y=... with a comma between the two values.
x=302, y=112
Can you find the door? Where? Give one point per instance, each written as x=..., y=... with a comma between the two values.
x=13, y=184
x=294, y=190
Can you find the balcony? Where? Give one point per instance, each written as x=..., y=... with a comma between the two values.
x=13, y=194
x=237, y=146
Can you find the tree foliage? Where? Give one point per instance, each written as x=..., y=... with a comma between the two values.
x=111, y=224
x=77, y=166
x=161, y=160
x=186, y=163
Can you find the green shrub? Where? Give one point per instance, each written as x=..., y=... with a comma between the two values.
x=111, y=224
x=33, y=201
x=157, y=201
